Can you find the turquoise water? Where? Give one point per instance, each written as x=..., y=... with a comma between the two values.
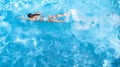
x=90, y=37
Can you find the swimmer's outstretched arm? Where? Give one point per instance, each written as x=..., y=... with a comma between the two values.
x=38, y=13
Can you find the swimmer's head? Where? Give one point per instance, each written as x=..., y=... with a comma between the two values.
x=30, y=15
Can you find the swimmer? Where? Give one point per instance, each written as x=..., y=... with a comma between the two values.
x=38, y=17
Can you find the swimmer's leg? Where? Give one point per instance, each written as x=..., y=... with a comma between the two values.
x=55, y=21
x=65, y=16
x=61, y=15
x=58, y=20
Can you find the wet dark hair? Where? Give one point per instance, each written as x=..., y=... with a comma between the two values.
x=30, y=15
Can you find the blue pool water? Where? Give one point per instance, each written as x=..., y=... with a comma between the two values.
x=90, y=37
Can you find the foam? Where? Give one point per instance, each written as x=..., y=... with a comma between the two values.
x=74, y=13
x=106, y=63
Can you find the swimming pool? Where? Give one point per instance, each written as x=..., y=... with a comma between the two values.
x=91, y=37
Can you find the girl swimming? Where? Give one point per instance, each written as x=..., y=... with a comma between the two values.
x=38, y=17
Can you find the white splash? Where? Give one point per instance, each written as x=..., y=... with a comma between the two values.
x=106, y=63
x=74, y=13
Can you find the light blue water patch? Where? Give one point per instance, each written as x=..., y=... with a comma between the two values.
x=89, y=38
